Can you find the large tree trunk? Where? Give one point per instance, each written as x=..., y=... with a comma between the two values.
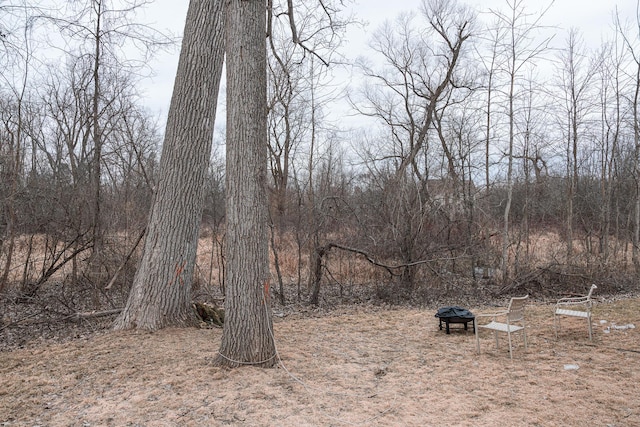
x=161, y=292
x=247, y=335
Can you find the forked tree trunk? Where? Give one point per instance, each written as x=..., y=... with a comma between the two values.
x=161, y=291
x=247, y=337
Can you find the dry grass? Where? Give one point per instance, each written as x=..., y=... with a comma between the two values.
x=357, y=366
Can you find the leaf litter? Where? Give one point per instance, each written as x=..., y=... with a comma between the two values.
x=355, y=365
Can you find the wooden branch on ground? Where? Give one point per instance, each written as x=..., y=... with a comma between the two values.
x=18, y=321
x=74, y=316
x=371, y=260
x=93, y=314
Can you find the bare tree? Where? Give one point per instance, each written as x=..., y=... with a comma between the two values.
x=248, y=331
x=531, y=153
x=18, y=51
x=520, y=48
x=408, y=96
x=287, y=125
x=303, y=42
x=102, y=28
x=161, y=290
x=631, y=37
x=609, y=73
x=491, y=65
x=576, y=78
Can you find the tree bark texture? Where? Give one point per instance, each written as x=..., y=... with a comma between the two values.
x=247, y=335
x=161, y=290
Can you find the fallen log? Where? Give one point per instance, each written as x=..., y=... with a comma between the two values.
x=209, y=313
x=94, y=314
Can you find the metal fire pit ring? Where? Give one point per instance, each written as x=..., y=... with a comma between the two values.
x=455, y=315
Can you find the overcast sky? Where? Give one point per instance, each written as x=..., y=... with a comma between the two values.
x=592, y=17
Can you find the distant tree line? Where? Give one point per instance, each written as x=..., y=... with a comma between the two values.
x=486, y=149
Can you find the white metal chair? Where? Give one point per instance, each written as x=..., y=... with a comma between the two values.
x=579, y=307
x=512, y=321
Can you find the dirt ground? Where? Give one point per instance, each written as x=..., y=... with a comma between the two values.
x=362, y=365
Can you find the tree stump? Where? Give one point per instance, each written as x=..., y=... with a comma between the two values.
x=209, y=313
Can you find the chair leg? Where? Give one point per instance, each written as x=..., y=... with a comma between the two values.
x=555, y=324
x=496, y=333
x=590, y=327
x=510, y=351
x=477, y=341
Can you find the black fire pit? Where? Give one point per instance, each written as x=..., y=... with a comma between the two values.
x=456, y=314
